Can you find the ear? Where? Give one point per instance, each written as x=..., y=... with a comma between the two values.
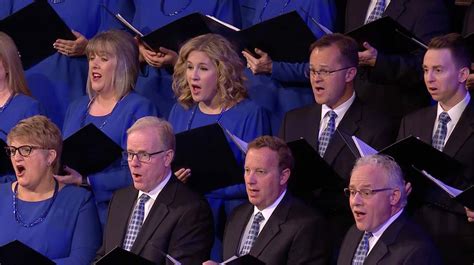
x=51, y=156
x=169, y=157
x=463, y=74
x=351, y=74
x=284, y=176
x=395, y=197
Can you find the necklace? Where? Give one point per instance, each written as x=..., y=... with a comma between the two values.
x=106, y=117
x=16, y=211
x=174, y=13
x=2, y=108
x=193, y=113
x=266, y=5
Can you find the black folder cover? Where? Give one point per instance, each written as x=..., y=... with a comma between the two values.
x=89, y=150
x=5, y=163
x=34, y=29
x=121, y=256
x=285, y=37
x=17, y=253
x=387, y=35
x=311, y=172
x=206, y=151
x=245, y=260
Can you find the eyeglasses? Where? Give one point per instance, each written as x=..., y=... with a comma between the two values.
x=364, y=193
x=322, y=73
x=142, y=155
x=24, y=150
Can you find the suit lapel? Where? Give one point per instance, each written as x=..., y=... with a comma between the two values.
x=352, y=245
x=272, y=227
x=388, y=237
x=157, y=213
x=312, y=134
x=357, y=14
x=120, y=221
x=237, y=229
x=463, y=130
x=395, y=8
x=348, y=125
x=425, y=125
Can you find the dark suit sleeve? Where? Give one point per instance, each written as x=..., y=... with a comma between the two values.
x=192, y=238
x=432, y=20
x=102, y=250
x=310, y=244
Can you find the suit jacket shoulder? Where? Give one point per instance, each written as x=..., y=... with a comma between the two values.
x=179, y=224
x=404, y=242
x=294, y=234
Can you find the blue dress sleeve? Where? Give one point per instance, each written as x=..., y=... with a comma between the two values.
x=86, y=236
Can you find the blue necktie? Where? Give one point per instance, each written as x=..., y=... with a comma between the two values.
x=253, y=233
x=441, y=131
x=327, y=133
x=136, y=222
x=377, y=11
x=362, y=249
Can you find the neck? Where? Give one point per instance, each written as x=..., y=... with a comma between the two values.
x=454, y=100
x=210, y=108
x=43, y=191
x=5, y=94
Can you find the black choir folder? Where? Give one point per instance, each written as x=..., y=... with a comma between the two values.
x=119, y=255
x=387, y=35
x=5, y=163
x=243, y=260
x=416, y=156
x=17, y=253
x=34, y=29
x=285, y=37
x=206, y=151
x=89, y=150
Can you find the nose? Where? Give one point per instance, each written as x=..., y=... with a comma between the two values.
x=429, y=77
x=356, y=199
x=250, y=177
x=134, y=162
x=17, y=156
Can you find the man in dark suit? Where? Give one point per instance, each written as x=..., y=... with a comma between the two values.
x=383, y=233
x=274, y=227
x=333, y=62
x=158, y=215
x=393, y=82
x=449, y=127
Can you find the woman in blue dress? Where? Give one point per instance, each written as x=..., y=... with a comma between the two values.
x=16, y=102
x=59, y=221
x=283, y=86
x=208, y=82
x=154, y=81
x=111, y=105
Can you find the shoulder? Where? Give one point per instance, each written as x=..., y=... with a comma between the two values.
x=79, y=103
x=75, y=193
x=246, y=107
x=419, y=114
x=133, y=99
x=24, y=99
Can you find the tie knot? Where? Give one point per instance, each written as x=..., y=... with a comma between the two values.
x=367, y=235
x=143, y=198
x=331, y=114
x=444, y=117
x=258, y=217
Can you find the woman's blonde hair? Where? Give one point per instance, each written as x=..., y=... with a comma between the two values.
x=10, y=58
x=122, y=46
x=230, y=77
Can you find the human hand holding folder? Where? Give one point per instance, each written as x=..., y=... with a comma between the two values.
x=258, y=65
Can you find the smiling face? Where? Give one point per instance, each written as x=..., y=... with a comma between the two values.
x=443, y=79
x=102, y=67
x=263, y=178
x=33, y=170
x=147, y=175
x=371, y=212
x=331, y=90
x=201, y=74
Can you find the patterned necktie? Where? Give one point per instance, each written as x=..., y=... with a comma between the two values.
x=441, y=131
x=253, y=233
x=377, y=11
x=362, y=250
x=327, y=133
x=136, y=222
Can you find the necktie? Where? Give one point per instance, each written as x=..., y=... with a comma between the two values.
x=377, y=11
x=136, y=222
x=362, y=250
x=327, y=133
x=253, y=233
x=441, y=131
